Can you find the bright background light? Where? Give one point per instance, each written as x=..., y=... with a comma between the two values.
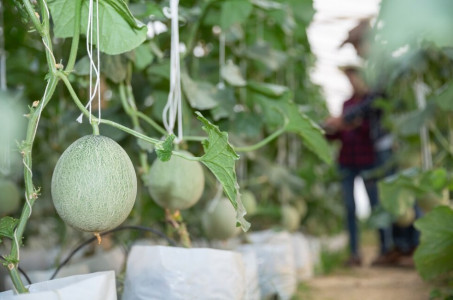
x=332, y=21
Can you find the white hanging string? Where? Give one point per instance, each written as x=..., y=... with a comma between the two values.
x=221, y=84
x=94, y=67
x=421, y=89
x=173, y=109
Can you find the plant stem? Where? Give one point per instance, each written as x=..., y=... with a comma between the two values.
x=32, y=14
x=82, y=108
x=151, y=122
x=194, y=138
x=261, y=143
x=75, y=36
x=128, y=102
x=30, y=191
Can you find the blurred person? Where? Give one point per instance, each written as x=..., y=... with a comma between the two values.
x=405, y=239
x=357, y=156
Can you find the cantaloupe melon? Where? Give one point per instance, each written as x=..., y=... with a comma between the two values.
x=249, y=201
x=407, y=218
x=94, y=184
x=290, y=217
x=219, y=220
x=430, y=200
x=177, y=183
x=9, y=197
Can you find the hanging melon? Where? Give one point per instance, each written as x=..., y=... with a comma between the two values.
x=177, y=183
x=94, y=184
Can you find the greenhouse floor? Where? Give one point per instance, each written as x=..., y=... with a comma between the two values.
x=370, y=283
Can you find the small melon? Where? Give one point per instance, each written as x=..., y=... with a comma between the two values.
x=249, y=202
x=407, y=218
x=219, y=220
x=9, y=197
x=94, y=184
x=430, y=200
x=290, y=217
x=177, y=183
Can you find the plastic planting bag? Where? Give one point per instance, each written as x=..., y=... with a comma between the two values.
x=94, y=286
x=160, y=272
x=252, y=284
x=39, y=276
x=276, y=266
x=302, y=257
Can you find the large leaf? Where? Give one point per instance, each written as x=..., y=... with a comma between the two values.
x=396, y=197
x=201, y=94
x=235, y=11
x=444, y=98
x=220, y=158
x=7, y=226
x=232, y=74
x=434, y=254
x=119, y=30
x=114, y=67
x=311, y=133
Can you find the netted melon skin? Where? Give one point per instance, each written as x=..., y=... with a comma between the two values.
x=177, y=183
x=94, y=184
x=9, y=197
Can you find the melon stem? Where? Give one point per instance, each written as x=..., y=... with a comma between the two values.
x=98, y=236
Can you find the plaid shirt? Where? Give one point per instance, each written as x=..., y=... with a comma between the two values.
x=357, y=149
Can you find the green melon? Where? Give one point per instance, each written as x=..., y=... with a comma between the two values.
x=177, y=183
x=94, y=184
x=290, y=217
x=430, y=200
x=219, y=220
x=407, y=218
x=9, y=197
x=249, y=202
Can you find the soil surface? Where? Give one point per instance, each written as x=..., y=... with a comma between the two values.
x=367, y=283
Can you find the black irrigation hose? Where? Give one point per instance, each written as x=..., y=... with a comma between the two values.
x=20, y=270
x=89, y=241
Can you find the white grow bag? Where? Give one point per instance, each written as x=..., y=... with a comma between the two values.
x=302, y=257
x=172, y=273
x=276, y=265
x=94, y=286
x=252, y=284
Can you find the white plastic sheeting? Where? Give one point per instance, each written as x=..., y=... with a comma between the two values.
x=252, y=284
x=159, y=272
x=94, y=286
x=276, y=265
x=302, y=257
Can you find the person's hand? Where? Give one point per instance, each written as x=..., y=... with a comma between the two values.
x=333, y=123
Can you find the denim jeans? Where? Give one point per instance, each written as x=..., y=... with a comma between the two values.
x=348, y=175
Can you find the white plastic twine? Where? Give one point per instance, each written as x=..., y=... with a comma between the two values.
x=173, y=108
x=421, y=89
x=221, y=84
x=94, y=68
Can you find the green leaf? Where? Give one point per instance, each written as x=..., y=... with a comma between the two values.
x=395, y=197
x=235, y=11
x=114, y=67
x=119, y=30
x=220, y=158
x=164, y=148
x=7, y=226
x=268, y=89
x=311, y=133
x=434, y=254
x=201, y=94
x=443, y=99
x=143, y=57
x=232, y=74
